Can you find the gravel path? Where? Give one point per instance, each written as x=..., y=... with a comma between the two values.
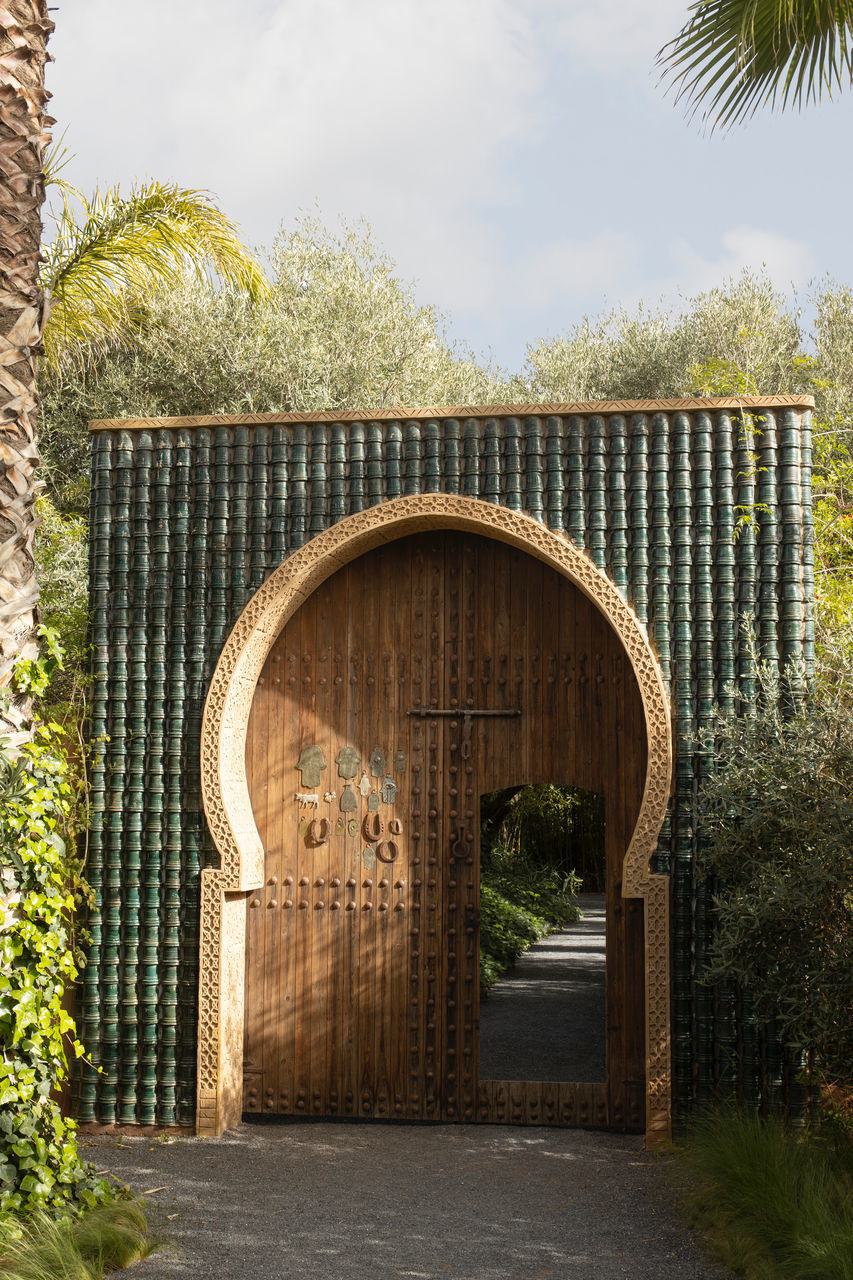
x=370, y=1201
x=544, y=1019
x=330, y=1201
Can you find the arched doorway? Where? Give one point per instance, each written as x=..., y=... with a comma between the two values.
x=414, y=1054
x=419, y=676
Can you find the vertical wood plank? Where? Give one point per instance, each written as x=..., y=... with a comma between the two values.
x=324, y=1044
x=354, y=737
x=283, y=783
x=268, y=743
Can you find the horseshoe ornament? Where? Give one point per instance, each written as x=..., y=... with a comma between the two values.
x=373, y=827
x=318, y=832
x=387, y=851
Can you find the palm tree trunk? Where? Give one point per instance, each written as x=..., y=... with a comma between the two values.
x=24, y=31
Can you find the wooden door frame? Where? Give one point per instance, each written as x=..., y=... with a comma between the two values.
x=228, y=807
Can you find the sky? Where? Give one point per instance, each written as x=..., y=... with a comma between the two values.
x=519, y=160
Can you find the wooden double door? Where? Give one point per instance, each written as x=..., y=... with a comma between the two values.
x=424, y=674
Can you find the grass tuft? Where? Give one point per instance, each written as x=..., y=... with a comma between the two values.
x=771, y=1203
x=103, y=1239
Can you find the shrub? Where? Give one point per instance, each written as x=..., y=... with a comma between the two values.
x=506, y=929
x=542, y=893
x=778, y=809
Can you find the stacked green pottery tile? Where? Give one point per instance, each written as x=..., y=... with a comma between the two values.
x=681, y=595
x=638, y=516
x=702, y=519
x=617, y=516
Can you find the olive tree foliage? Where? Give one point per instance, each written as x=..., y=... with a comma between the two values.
x=832, y=383
x=778, y=810
x=340, y=330
x=744, y=333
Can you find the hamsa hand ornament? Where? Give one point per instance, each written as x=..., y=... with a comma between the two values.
x=347, y=761
x=311, y=764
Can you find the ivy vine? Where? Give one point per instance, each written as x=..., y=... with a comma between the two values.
x=41, y=885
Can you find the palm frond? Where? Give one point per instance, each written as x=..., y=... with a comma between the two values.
x=57, y=158
x=734, y=56
x=101, y=268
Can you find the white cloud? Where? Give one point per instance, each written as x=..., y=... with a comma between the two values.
x=403, y=111
x=386, y=100
x=567, y=269
x=513, y=156
x=786, y=261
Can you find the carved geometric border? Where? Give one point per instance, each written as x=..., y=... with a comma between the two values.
x=562, y=408
x=228, y=806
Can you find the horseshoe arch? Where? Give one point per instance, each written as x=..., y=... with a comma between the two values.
x=228, y=807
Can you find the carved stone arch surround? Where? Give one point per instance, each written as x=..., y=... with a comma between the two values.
x=228, y=806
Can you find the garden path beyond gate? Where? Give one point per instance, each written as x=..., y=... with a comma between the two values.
x=422, y=675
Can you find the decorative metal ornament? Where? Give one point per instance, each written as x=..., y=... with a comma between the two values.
x=347, y=761
x=368, y=856
x=352, y=827
x=348, y=800
x=389, y=789
x=387, y=851
x=329, y=796
x=307, y=799
x=364, y=785
x=395, y=826
x=377, y=762
x=318, y=832
x=340, y=826
x=399, y=762
x=373, y=802
x=311, y=764
x=373, y=827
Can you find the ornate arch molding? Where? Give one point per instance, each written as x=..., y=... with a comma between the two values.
x=228, y=807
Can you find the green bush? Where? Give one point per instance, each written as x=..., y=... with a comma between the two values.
x=40, y=886
x=778, y=810
x=541, y=893
x=506, y=929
